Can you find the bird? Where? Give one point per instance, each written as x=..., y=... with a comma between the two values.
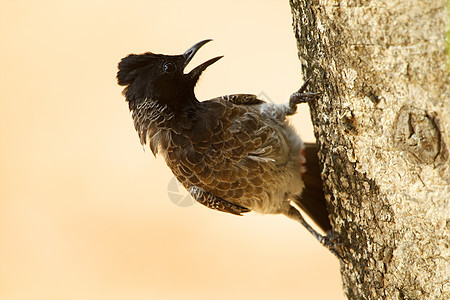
x=235, y=153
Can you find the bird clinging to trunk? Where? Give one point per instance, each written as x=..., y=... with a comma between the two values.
x=234, y=153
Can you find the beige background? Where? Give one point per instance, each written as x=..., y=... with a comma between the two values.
x=84, y=211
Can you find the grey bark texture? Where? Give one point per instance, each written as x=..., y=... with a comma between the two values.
x=382, y=126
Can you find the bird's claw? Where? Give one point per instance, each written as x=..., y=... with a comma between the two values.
x=301, y=97
x=304, y=85
x=331, y=242
x=297, y=98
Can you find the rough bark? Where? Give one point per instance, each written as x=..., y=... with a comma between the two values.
x=382, y=126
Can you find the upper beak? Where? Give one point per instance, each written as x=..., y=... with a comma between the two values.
x=189, y=54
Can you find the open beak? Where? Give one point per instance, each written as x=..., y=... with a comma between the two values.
x=189, y=54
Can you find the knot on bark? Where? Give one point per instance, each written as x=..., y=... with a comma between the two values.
x=417, y=132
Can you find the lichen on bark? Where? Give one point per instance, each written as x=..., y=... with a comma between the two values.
x=382, y=126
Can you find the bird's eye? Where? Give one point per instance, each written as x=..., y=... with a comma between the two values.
x=169, y=67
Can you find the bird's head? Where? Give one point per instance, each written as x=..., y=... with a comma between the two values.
x=159, y=77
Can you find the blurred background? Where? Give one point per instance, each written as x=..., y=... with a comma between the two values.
x=85, y=212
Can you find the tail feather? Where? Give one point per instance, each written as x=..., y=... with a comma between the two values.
x=312, y=201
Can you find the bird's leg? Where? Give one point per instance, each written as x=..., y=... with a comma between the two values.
x=301, y=97
x=328, y=240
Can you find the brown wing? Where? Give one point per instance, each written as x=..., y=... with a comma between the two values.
x=225, y=152
x=312, y=201
x=243, y=99
x=211, y=201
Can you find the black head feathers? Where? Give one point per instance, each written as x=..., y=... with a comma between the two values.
x=160, y=77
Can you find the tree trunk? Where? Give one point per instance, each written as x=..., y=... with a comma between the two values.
x=382, y=126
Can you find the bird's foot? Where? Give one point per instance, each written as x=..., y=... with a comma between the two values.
x=301, y=97
x=331, y=242
x=297, y=98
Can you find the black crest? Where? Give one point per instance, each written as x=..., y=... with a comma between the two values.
x=150, y=76
x=161, y=78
